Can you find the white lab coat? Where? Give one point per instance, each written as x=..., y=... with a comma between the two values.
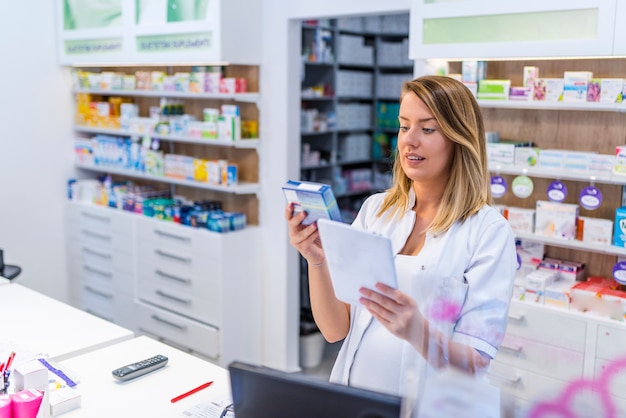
x=472, y=266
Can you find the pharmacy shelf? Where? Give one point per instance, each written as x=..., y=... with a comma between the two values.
x=252, y=143
x=238, y=97
x=558, y=174
x=536, y=105
x=313, y=133
x=574, y=244
x=317, y=98
x=242, y=188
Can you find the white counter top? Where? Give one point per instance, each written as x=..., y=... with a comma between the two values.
x=148, y=395
x=46, y=326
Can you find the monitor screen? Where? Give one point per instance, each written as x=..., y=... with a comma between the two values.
x=262, y=392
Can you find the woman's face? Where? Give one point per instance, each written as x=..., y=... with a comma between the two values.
x=425, y=153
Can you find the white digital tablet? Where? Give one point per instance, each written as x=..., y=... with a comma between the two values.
x=356, y=258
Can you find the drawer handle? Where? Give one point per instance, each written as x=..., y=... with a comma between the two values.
x=98, y=293
x=170, y=235
x=96, y=235
x=172, y=277
x=516, y=318
x=512, y=348
x=106, y=318
x=173, y=256
x=166, y=322
x=97, y=253
x=172, y=297
x=100, y=272
x=97, y=217
x=511, y=380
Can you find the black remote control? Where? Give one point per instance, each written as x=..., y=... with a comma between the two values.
x=131, y=371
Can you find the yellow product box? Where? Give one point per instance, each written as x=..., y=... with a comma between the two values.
x=200, y=170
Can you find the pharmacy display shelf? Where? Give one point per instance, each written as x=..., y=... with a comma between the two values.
x=543, y=105
x=574, y=244
x=558, y=174
x=313, y=133
x=242, y=188
x=336, y=163
x=252, y=143
x=317, y=98
x=238, y=97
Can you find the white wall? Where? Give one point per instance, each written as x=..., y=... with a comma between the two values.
x=280, y=150
x=35, y=146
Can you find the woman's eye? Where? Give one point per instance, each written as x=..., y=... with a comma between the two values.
x=428, y=130
x=404, y=128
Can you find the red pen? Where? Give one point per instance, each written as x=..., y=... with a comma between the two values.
x=9, y=361
x=191, y=392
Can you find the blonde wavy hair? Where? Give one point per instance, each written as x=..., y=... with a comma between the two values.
x=458, y=114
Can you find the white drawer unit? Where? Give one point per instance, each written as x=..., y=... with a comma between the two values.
x=177, y=238
x=546, y=350
x=179, y=330
x=611, y=342
x=117, y=281
x=187, y=286
x=98, y=238
x=539, y=323
x=552, y=361
x=176, y=263
x=203, y=306
x=197, y=276
x=101, y=261
x=100, y=219
x=104, y=259
x=523, y=384
x=112, y=306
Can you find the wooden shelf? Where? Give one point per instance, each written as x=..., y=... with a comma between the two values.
x=558, y=174
x=536, y=105
x=575, y=244
x=243, y=143
x=238, y=97
x=240, y=189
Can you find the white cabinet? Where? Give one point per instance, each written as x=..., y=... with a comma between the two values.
x=159, y=31
x=547, y=350
x=506, y=29
x=610, y=360
x=619, y=40
x=542, y=350
x=101, y=262
x=189, y=287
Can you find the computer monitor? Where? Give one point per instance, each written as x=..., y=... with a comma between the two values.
x=262, y=392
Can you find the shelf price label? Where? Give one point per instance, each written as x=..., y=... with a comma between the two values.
x=522, y=186
x=590, y=198
x=557, y=191
x=498, y=186
x=619, y=272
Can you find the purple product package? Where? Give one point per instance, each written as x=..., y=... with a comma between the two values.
x=520, y=93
